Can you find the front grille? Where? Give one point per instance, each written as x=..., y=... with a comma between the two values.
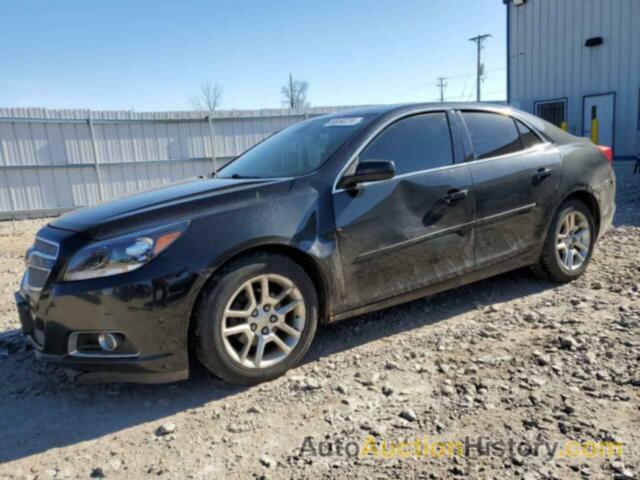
x=36, y=277
x=40, y=260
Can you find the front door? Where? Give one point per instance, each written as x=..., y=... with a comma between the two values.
x=602, y=109
x=415, y=229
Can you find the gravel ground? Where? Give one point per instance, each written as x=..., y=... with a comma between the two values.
x=509, y=359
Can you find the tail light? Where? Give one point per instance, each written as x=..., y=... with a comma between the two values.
x=607, y=152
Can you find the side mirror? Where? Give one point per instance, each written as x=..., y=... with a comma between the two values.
x=371, y=171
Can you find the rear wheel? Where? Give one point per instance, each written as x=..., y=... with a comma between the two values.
x=257, y=320
x=569, y=243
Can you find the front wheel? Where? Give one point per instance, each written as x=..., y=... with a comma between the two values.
x=569, y=243
x=257, y=319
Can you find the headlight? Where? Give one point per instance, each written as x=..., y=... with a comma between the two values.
x=121, y=254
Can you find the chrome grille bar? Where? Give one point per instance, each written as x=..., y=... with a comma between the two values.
x=40, y=259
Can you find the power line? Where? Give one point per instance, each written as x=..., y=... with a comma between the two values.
x=442, y=85
x=449, y=77
x=466, y=75
x=466, y=98
x=480, y=67
x=466, y=78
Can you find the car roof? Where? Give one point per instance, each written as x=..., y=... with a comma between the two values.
x=385, y=112
x=377, y=110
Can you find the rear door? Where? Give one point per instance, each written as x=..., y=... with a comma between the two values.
x=415, y=229
x=516, y=174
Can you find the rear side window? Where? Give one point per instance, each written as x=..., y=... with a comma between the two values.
x=492, y=134
x=529, y=139
x=413, y=144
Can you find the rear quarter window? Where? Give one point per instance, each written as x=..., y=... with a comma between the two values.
x=529, y=139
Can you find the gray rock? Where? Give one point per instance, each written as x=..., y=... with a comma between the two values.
x=624, y=475
x=447, y=390
x=588, y=358
x=567, y=342
x=97, y=472
x=391, y=366
x=370, y=380
x=617, y=465
x=165, y=429
x=311, y=384
x=387, y=390
x=543, y=360
x=409, y=415
x=266, y=461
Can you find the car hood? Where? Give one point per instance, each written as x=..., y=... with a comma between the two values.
x=173, y=202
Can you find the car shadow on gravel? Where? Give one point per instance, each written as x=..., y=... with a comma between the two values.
x=357, y=331
x=41, y=409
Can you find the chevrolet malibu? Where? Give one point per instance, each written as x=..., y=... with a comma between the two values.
x=330, y=218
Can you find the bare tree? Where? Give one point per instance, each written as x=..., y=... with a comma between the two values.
x=294, y=93
x=208, y=98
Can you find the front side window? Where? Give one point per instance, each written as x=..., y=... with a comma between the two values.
x=492, y=134
x=416, y=143
x=297, y=150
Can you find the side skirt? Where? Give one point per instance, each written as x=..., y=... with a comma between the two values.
x=522, y=260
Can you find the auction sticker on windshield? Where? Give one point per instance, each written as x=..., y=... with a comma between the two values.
x=343, y=122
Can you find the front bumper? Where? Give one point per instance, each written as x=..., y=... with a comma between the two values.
x=150, y=307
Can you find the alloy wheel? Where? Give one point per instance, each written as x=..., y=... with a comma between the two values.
x=263, y=321
x=573, y=240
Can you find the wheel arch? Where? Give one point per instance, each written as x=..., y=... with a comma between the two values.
x=586, y=196
x=306, y=261
x=590, y=200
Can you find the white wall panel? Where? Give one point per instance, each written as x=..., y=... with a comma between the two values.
x=548, y=59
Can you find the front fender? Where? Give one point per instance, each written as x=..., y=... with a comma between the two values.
x=290, y=224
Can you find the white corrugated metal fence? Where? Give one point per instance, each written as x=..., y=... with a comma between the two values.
x=56, y=160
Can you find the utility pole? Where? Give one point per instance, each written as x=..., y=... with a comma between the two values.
x=291, y=100
x=442, y=85
x=480, y=68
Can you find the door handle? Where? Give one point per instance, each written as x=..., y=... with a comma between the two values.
x=542, y=173
x=454, y=196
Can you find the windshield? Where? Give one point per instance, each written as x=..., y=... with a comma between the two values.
x=297, y=150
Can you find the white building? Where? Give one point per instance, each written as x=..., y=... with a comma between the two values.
x=577, y=60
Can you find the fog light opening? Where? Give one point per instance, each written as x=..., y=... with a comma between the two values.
x=109, y=341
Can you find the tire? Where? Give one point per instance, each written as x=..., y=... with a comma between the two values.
x=552, y=265
x=224, y=355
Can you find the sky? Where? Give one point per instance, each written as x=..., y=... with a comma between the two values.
x=152, y=55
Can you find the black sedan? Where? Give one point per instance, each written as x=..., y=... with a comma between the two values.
x=330, y=218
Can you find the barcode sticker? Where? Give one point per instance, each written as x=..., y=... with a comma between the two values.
x=343, y=122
